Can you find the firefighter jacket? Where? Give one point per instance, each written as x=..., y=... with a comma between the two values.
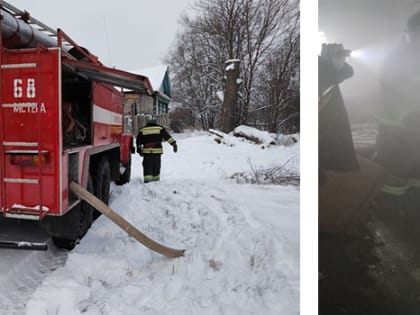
x=150, y=138
x=335, y=142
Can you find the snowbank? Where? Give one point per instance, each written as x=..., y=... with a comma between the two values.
x=242, y=241
x=258, y=136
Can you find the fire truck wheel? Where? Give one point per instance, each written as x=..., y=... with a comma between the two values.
x=86, y=211
x=125, y=177
x=64, y=243
x=76, y=223
x=102, y=183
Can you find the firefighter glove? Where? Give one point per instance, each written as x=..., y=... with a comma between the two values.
x=336, y=54
x=175, y=147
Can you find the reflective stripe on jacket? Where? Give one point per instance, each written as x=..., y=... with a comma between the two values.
x=150, y=137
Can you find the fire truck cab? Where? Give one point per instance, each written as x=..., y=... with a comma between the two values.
x=61, y=120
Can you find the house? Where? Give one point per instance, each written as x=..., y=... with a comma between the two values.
x=138, y=108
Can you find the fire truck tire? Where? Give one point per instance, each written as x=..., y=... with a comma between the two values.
x=102, y=183
x=77, y=222
x=73, y=226
x=125, y=177
x=64, y=243
x=86, y=211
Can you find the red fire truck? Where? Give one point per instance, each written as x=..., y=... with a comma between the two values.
x=43, y=72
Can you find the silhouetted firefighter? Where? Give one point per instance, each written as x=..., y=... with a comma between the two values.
x=149, y=146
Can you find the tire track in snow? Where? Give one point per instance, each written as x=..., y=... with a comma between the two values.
x=22, y=272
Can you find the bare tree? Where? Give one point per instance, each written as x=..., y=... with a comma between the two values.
x=195, y=79
x=247, y=30
x=266, y=24
x=278, y=103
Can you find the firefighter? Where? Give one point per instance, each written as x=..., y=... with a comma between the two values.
x=398, y=116
x=336, y=148
x=149, y=146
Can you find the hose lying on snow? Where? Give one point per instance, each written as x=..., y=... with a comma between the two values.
x=124, y=224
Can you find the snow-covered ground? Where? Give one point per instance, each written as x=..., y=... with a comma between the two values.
x=241, y=240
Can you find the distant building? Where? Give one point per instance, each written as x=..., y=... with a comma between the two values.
x=138, y=108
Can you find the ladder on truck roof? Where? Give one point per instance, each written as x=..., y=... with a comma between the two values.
x=24, y=15
x=76, y=58
x=48, y=33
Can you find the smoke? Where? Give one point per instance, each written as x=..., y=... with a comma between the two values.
x=373, y=56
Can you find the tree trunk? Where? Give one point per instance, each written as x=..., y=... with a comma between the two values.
x=230, y=95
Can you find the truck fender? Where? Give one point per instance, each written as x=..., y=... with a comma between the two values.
x=126, y=147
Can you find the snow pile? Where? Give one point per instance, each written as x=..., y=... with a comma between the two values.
x=286, y=140
x=220, y=96
x=265, y=138
x=206, y=159
x=253, y=134
x=241, y=241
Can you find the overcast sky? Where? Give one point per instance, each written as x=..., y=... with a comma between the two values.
x=127, y=34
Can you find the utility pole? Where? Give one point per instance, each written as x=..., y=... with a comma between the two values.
x=230, y=98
